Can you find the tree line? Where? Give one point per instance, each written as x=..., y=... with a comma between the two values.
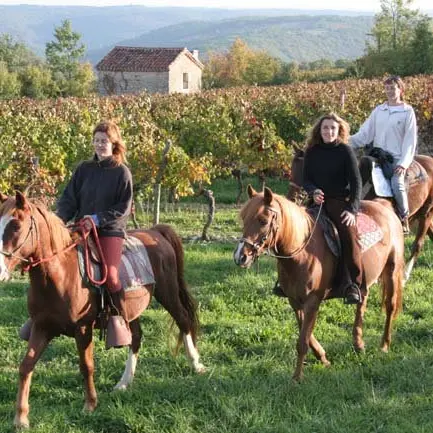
x=61, y=73
x=400, y=42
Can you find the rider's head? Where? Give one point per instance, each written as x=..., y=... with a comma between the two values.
x=112, y=132
x=329, y=127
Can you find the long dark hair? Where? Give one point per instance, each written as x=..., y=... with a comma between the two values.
x=343, y=131
x=113, y=132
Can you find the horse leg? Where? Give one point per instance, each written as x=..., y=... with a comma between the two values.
x=392, y=290
x=37, y=343
x=316, y=347
x=83, y=340
x=310, y=310
x=131, y=363
x=357, y=333
x=423, y=228
x=184, y=322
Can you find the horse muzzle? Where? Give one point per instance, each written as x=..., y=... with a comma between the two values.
x=243, y=257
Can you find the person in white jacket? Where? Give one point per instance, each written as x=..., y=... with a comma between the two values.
x=391, y=126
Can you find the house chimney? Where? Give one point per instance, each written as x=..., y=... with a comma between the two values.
x=195, y=54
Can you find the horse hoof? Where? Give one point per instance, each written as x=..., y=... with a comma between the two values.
x=326, y=363
x=359, y=348
x=121, y=386
x=385, y=349
x=21, y=424
x=200, y=368
x=89, y=407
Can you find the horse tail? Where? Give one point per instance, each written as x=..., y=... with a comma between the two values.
x=185, y=297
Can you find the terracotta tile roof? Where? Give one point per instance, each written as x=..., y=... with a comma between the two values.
x=141, y=59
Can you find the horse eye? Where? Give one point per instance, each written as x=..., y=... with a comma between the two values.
x=263, y=222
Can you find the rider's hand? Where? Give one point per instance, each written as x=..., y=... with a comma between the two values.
x=87, y=222
x=348, y=218
x=399, y=170
x=318, y=196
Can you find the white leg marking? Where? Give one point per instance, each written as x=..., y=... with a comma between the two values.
x=128, y=374
x=408, y=269
x=193, y=354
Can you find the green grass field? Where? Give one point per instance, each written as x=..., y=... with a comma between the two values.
x=247, y=341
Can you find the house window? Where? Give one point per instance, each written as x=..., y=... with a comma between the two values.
x=185, y=80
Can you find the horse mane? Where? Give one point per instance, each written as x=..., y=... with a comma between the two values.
x=59, y=234
x=295, y=223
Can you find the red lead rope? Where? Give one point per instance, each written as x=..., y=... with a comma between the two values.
x=80, y=227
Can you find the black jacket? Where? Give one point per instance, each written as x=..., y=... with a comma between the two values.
x=102, y=188
x=333, y=168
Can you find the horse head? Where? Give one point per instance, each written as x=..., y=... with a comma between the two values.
x=17, y=226
x=260, y=217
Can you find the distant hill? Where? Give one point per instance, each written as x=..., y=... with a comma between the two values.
x=300, y=38
x=103, y=26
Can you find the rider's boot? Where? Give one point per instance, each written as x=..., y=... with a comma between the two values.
x=405, y=225
x=118, y=332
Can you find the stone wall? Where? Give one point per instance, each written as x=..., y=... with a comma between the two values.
x=118, y=83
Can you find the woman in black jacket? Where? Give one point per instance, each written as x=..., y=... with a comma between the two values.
x=102, y=188
x=332, y=178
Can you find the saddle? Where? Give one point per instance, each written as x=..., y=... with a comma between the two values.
x=415, y=174
x=135, y=269
x=369, y=233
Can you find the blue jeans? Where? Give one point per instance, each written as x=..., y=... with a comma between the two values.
x=399, y=190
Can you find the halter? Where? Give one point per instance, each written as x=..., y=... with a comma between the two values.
x=257, y=245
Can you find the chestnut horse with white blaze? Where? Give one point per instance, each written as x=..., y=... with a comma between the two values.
x=60, y=303
x=307, y=266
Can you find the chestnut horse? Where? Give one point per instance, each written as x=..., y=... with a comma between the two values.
x=58, y=302
x=420, y=198
x=307, y=267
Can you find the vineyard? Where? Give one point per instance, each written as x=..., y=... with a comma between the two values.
x=251, y=129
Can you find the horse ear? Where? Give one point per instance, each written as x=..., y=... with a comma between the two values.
x=268, y=196
x=3, y=197
x=251, y=191
x=21, y=201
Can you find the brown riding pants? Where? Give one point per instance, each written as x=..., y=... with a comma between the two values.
x=112, y=249
x=350, y=269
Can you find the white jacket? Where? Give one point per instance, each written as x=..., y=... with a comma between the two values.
x=392, y=128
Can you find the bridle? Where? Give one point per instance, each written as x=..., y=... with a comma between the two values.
x=256, y=246
x=10, y=254
x=78, y=226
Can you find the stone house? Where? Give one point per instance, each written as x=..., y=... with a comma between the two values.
x=156, y=70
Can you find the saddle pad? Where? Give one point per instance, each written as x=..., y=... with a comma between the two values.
x=415, y=174
x=369, y=233
x=135, y=269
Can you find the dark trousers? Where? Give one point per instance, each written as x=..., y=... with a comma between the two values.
x=112, y=249
x=350, y=268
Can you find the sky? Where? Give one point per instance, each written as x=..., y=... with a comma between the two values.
x=370, y=5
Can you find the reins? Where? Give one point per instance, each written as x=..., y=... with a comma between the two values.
x=80, y=227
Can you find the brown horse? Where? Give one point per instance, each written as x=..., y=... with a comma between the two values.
x=306, y=265
x=420, y=198
x=59, y=304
